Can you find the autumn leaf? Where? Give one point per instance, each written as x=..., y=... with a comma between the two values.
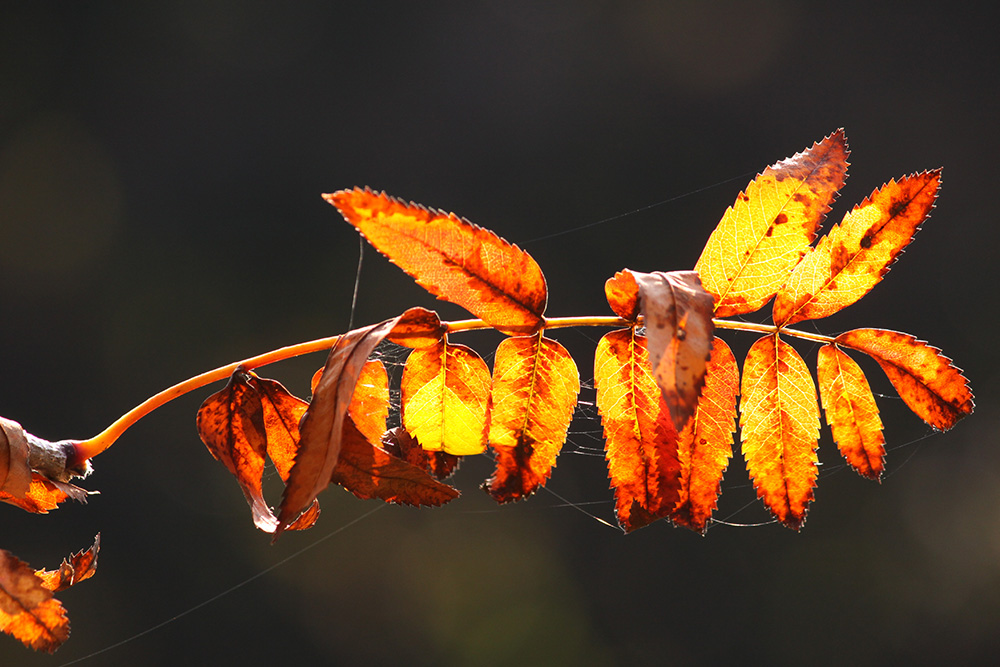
x=705, y=445
x=851, y=411
x=28, y=611
x=75, y=568
x=852, y=258
x=45, y=494
x=445, y=393
x=766, y=232
x=623, y=295
x=369, y=407
x=416, y=328
x=399, y=443
x=677, y=313
x=779, y=421
x=640, y=440
x=452, y=258
x=925, y=379
x=535, y=385
x=15, y=474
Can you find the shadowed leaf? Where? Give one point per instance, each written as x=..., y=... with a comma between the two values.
x=399, y=443
x=926, y=379
x=535, y=384
x=765, y=233
x=28, y=612
x=779, y=421
x=451, y=258
x=75, y=568
x=852, y=258
x=15, y=474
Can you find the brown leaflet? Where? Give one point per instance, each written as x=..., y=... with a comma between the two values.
x=75, y=568
x=852, y=258
x=451, y=258
x=416, y=328
x=926, y=380
x=535, y=384
x=851, y=411
x=369, y=472
x=765, y=233
x=779, y=422
x=323, y=422
x=399, y=443
x=677, y=313
x=28, y=612
x=444, y=395
x=705, y=445
x=640, y=440
x=15, y=474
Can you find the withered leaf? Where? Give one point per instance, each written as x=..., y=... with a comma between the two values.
x=416, y=328
x=765, y=233
x=779, y=421
x=926, y=380
x=640, y=440
x=535, y=385
x=677, y=313
x=623, y=295
x=398, y=442
x=452, y=258
x=75, y=568
x=44, y=495
x=28, y=612
x=15, y=474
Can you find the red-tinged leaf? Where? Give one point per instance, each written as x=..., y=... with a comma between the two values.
x=851, y=411
x=28, y=612
x=623, y=295
x=535, y=385
x=75, y=568
x=44, y=495
x=852, y=258
x=926, y=380
x=416, y=328
x=779, y=421
x=369, y=472
x=452, y=258
x=766, y=232
x=322, y=424
x=640, y=440
x=369, y=408
x=15, y=473
x=705, y=445
x=445, y=392
x=399, y=443
x=677, y=313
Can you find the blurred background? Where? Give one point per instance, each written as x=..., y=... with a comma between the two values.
x=161, y=166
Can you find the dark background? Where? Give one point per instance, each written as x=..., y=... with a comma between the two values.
x=160, y=173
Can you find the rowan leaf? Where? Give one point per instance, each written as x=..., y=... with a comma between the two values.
x=640, y=440
x=779, y=422
x=765, y=233
x=369, y=472
x=75, y=568
x=445, y=392
x=851, y=411
x=45, y=494
x=28, y=611
x=451, y=258
x=852, y=258
x=705, y=445
x=623, y=295
x=535, y=385
x=677, y=313
x=416, y=328
x=398, y=442
x=925, y=379
x=369, y=407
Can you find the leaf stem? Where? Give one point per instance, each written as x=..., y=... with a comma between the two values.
x=87, y=449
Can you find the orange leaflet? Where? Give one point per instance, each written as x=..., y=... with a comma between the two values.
x=779, y=421
x=28, y=611
x=640, y=440
x=452, y=258
x=44, y=495
x=399, y=443
x=75, y=568
x=417, y=327
x=705, y=445
x=678, y=318
x=764, y=234
x=369, y=408
x=852, y=258
x=851, y=411
x=368, y=472
x=623, y=295
x=926, y=379
x=445, y=393
x=535, y=384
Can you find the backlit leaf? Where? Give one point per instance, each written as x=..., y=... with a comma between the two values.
x=779, y=421
x=852, y=258
x=44, y=495
x=851, y=411
x=623, y=295
x=640, y=440
x=535, y=385
x=705, y=445
x=369, y=408
x=677, y=313
x=445, y=393
x=451, y=258
x=417, y=327
x=926, y=379
x=765, y=233
x=75, y=568
x=28, y=611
